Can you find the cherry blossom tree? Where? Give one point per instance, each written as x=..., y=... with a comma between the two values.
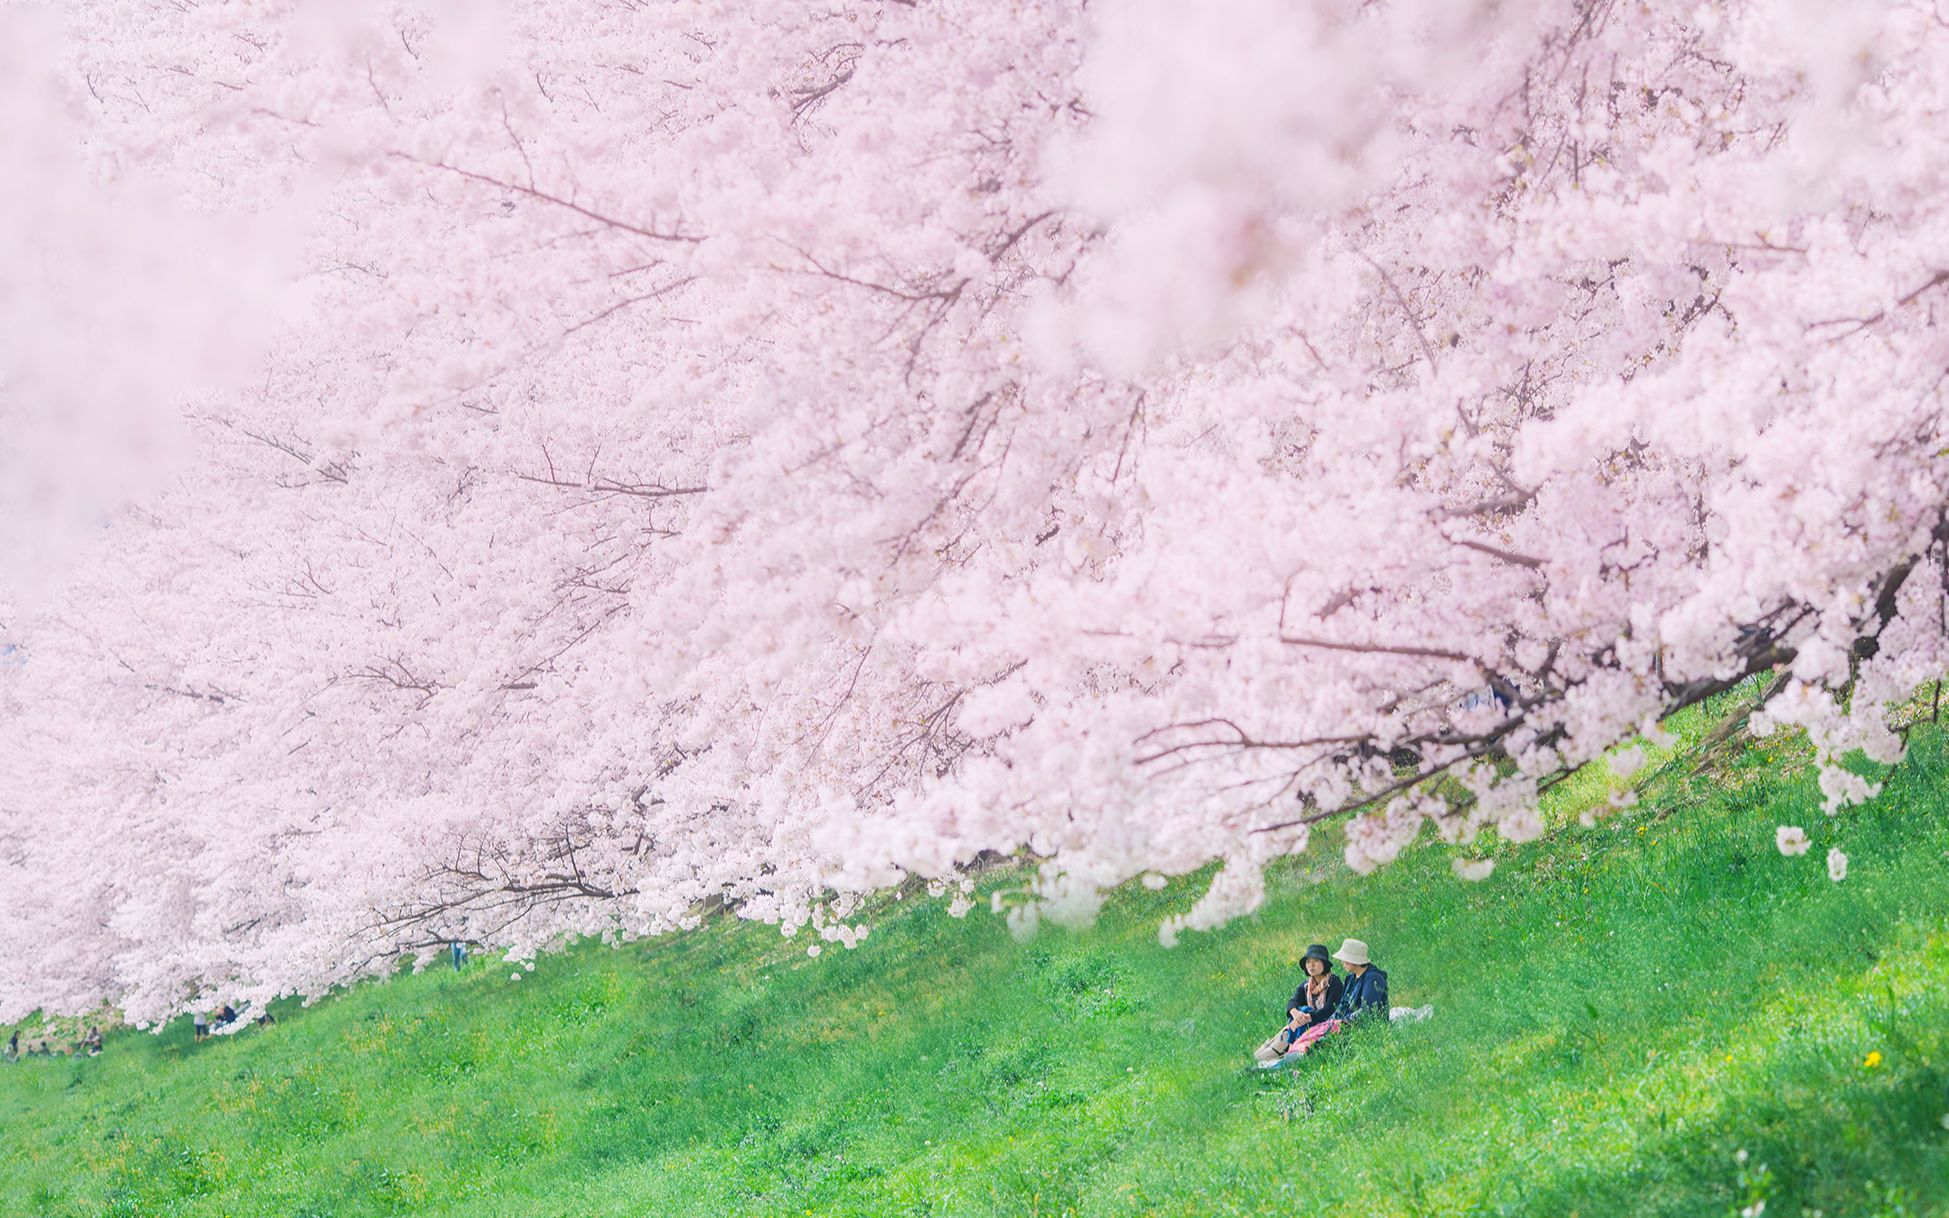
x=510, y=474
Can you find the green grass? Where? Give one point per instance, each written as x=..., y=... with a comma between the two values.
x=1620, y=1010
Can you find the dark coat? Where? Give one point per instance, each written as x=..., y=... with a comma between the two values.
x=1364, y=995
x=1333, y=987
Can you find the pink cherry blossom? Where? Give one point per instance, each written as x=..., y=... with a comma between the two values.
x=570, y=470
x=1474, y=870
x=1836, y=865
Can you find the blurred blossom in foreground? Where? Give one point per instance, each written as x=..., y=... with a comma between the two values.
x=122, y=304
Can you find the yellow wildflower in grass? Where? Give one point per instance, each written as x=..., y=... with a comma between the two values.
x=1872, y=1060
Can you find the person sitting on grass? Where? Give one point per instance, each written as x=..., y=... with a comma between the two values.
x=1315, y=999
x=1363, y=999
x=1365, y=996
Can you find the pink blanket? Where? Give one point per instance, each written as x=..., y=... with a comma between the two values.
x=1312, y=1036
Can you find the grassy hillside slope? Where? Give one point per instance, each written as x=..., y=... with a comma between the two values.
x=1620, y=1011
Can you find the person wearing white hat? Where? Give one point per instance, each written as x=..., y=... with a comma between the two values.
x=1363, y=998
x=1366, y=991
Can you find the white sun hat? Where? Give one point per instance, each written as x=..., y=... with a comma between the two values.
x=1352, y=951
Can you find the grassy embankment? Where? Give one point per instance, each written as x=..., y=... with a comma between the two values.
x=1620, y=1010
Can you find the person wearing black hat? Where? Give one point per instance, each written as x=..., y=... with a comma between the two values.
x=1316, y=997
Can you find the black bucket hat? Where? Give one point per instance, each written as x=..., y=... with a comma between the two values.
x=1317, y=952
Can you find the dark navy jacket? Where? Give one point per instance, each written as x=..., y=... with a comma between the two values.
x=1364, y=995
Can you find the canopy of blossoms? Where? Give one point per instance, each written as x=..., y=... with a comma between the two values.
x=516, y=472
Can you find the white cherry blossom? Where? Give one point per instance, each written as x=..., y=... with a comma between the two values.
x=576, y=470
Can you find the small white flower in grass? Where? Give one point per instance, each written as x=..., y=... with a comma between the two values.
x=814, y=950
x=1791, y=839
x=514, y=976
x=1945, y=1120
x=1836, y=865
x=1473, y=869
x=1754, y=1210
x=1739, y=1156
